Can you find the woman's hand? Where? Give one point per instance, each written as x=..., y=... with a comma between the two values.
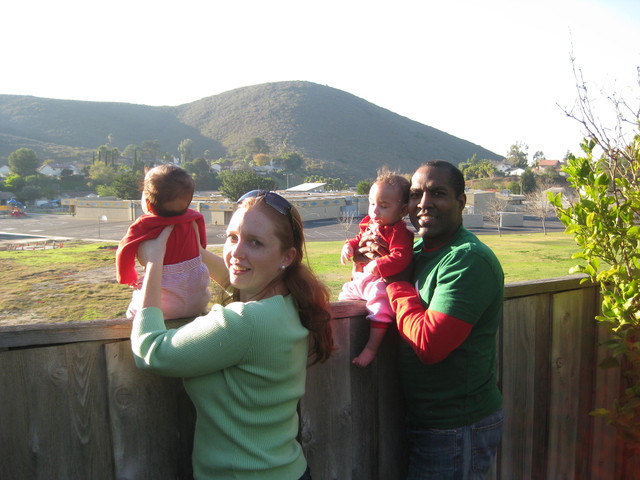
x=154, y=250
x=217, y=269
x=152, y=253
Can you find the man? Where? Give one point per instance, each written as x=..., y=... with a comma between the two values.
x=448, y=318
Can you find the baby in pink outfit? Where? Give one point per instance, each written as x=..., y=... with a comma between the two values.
x=388, y=204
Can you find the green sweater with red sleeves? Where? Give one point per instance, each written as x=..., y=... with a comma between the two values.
x=449, y=320
x=244, y=368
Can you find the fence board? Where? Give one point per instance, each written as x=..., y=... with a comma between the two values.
x=326, y=425
x=144, y=419
x=570, y=331
x=606, y=389
x=54, y=419
x=525, y=343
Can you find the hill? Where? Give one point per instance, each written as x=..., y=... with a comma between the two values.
x=346, y=135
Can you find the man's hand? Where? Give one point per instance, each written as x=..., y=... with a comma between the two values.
x=371, y=246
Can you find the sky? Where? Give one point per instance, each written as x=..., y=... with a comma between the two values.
x=493, y=72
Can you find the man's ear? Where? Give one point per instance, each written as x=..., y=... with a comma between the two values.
x=462, y=201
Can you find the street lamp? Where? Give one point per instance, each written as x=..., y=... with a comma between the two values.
x=101, y=218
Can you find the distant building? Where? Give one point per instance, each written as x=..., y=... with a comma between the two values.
x=545, y=165
x=307, y=188
x=55, y=169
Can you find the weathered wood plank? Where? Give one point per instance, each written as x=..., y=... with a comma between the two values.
x=325, y=411
x=547, y=285
x=144, y=419
x=606, y=390
x=525, y=343
x=69, y=332
x=53, y=414
x=572, y=322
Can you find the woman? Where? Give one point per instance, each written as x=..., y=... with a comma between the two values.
x=244, y=364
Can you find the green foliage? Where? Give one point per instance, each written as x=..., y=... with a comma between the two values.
x=24, y=161
x=518, y=155
x=474, y=168
x=605, y=222
x=528, y=181
x=363, y=187
x=185, y=150
x=101, y=173
x=125, y=185
x=332, y=184
x=14, y=183
x=237, y=183
x=203, y=176
x=291, y=161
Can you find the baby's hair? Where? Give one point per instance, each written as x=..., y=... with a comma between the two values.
x=165, y=183
x=395, y=180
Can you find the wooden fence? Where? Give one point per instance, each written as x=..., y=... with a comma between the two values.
x=73, y=405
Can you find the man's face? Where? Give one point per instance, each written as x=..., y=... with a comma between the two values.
x=434, y=209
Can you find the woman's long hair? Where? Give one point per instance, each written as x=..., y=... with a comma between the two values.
x=311, y=296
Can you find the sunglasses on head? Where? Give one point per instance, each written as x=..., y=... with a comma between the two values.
x=275, y=201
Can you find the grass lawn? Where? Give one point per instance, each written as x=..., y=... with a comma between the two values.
x=77, y=282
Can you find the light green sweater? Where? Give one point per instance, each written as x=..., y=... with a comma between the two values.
x=244, y=367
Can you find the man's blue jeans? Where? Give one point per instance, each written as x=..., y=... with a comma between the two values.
x=463, y=453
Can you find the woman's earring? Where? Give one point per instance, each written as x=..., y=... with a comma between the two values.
x=282, y=267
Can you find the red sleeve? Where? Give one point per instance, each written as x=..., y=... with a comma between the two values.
x=355, y=241
x=147, y=227
x=400, y=240
x=432, y=335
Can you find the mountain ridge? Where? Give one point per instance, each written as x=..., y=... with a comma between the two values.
x=345, y=135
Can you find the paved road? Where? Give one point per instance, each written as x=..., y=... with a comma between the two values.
x=65, y=226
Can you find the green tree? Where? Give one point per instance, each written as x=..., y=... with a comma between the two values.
x=290, y=162
x=23, y=162
x=527, y=181
x=237, y=183
x=604, y=223
x=261, y=159
x=518, y=155
x=539, y=155
x=185, y=150
x=363, y=187
x=101, y=173
x=604, y=219
x=150, y=150
x=14, y=183
x=331, y=183
x=203, y=176
x=125, y=185
x=256, y=145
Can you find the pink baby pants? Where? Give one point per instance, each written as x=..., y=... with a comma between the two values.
x=185, y=290
x=373, y=289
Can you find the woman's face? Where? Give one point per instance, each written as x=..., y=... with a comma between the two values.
x=253, y=254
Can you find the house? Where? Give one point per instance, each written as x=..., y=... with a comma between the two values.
x=517, y=172
x=263, y=169
x=55, y=169
x=218, y=167
x=545, y=165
